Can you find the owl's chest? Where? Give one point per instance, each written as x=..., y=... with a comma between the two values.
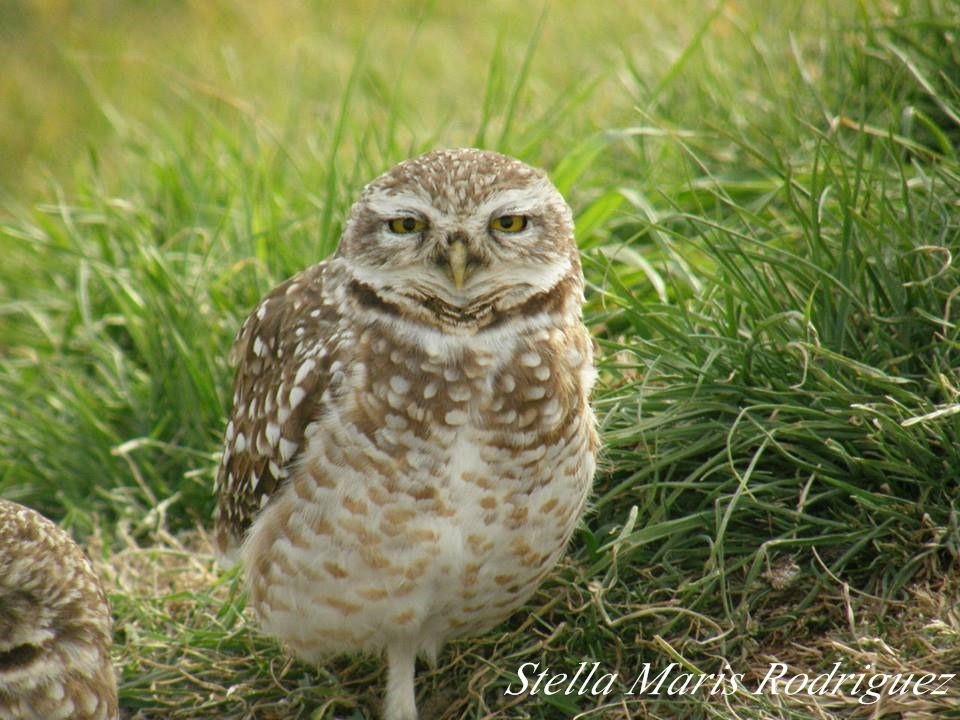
x=460, y=477
x=462, y=410
x=413, y=438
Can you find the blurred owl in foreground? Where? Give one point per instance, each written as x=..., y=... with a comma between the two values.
x=55, y=625
x=411, y=443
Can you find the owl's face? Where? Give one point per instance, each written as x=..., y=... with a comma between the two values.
x=461, y=230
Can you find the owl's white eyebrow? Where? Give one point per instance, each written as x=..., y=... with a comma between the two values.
x=514, y=200
x=397, y=205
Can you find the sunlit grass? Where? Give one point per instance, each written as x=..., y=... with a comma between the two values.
x=768, y=204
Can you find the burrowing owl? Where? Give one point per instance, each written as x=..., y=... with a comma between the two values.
x=411, y=442
x=55, y=625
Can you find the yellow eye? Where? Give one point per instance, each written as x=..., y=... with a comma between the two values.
x=509, y=223
x=405, y=225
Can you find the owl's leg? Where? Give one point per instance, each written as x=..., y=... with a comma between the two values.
x=400, y=702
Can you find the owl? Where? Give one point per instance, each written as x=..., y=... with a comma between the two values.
x=55, y=625
x=411, y=443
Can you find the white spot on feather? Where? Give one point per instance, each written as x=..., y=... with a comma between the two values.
x=459, y=393
x=273, y=434
x=287, y=449
x=399, y=384
x=530, y=359
x=305, y=369
x=535, y=392
x=455, y=417
x=297, y=394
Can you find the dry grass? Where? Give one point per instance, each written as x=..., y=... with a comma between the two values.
x=916, y=636
x=171, y=598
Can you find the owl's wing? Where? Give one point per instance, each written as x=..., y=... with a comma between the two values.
x=282, y=371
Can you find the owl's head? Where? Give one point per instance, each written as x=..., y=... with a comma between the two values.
x=460, y=232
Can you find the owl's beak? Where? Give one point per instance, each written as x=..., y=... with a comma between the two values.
x=457, y=257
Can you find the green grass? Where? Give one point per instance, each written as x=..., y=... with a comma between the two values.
x=768, y=204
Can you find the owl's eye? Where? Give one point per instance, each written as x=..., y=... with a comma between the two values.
x=509, y=223
x=405, y=225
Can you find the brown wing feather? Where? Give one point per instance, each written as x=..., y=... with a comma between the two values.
x=282, y=371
